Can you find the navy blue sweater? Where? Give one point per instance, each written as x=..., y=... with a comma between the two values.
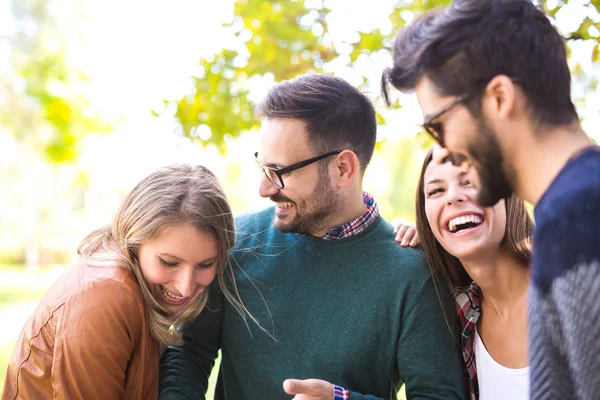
x=564, y=311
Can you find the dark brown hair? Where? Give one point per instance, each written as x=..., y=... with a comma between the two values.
x=462, y=47
x=444, y=266
x=337, y=115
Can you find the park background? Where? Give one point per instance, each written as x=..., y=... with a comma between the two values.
x=95, y=94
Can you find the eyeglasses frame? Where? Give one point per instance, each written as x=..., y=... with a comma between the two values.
x=427, y=125
x=455, y=159
x=286, y=170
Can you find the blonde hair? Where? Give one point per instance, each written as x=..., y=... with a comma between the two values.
x=170, y=195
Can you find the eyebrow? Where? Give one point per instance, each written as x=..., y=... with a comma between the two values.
x=177, y=258
x=271, y=165
x=434, y=181
x=437, y=180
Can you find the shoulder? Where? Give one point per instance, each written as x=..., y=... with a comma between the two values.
x=408, y=259
x=569, y=211
x=568, y=221
x=256, y=230
x=570, y=207
x=255, y=222
x=574, y=192
x=262, y=217
x=105, y=295
x=114, y=282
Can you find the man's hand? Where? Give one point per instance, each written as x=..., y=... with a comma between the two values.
x=308, y=389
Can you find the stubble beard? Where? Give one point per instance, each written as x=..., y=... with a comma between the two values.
x=313, y=213
x=495, y=183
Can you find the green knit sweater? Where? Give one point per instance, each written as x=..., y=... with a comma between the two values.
x=360, y=312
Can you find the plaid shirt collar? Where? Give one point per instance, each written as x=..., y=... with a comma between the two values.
x=357, y=225
x=468, y=309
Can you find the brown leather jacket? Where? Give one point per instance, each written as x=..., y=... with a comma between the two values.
x=87, y=339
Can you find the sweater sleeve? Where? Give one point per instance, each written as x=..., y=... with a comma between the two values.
x=184, y=370
x=94, y=342
x=427, y=374
x=428, y=356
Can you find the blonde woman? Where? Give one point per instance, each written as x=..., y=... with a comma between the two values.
x=98, y=331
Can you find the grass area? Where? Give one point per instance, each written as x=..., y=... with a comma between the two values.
x=11, y=296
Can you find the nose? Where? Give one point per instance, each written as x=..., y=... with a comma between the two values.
x=189, y=279
x=266, y=187
x=186, y=282
x=455, y=194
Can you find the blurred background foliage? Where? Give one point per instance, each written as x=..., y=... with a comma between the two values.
x=45, y=105
x=84, y=116
x=279, y=41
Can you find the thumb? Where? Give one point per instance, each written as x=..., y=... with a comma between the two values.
x=311, y=387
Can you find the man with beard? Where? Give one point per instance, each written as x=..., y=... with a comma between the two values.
x=492, y=80
x=333, y=296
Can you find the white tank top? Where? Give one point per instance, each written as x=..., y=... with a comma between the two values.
x=496, y=382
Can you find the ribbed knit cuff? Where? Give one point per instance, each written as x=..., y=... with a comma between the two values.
x=339, y=393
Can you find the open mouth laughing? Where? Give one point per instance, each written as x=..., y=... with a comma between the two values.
x=463, y=223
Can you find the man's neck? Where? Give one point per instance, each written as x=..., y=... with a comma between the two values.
x=539, y=160
x=354, y=206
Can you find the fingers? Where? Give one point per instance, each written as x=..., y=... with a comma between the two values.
x=407, y=235
x=308, y=387
x=397, y=223
x=401, y=234
x=414, y=235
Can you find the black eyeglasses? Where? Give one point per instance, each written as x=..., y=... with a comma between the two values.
x=275, y=176
x=435, y=128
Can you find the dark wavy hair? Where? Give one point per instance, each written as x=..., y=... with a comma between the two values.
x=462, y=47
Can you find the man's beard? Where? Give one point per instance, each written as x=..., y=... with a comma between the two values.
x=487, y=158
x=313, y=212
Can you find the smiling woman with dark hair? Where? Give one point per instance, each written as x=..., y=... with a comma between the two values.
x=483, y=253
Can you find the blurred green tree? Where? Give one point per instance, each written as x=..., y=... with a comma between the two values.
x=44, y=104
x=284, y=39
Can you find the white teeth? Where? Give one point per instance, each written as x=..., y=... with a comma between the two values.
x=284, y=205
x=170, y=295
x=472, y=218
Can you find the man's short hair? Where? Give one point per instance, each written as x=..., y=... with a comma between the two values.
x=462, y=47
x=337, y=115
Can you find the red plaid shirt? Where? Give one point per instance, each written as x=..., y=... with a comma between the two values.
x=468, y=311
x=356, y=225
